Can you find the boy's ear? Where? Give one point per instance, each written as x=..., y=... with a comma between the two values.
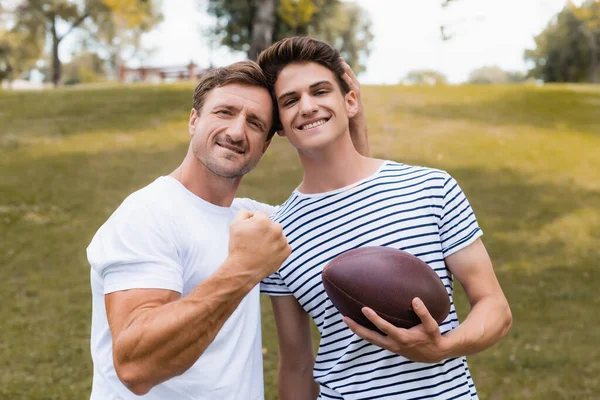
x=281, y=133
x=351, y=104
x=266, y=146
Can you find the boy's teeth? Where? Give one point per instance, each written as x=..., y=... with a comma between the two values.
x=314, y=124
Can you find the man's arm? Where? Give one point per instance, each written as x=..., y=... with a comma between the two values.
x=358, y=123
x=488, y=321
x=158, y=335
x=296, y=356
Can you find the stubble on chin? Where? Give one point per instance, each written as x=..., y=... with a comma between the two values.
x=215, y=164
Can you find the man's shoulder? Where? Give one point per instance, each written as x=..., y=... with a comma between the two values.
x=138, y=206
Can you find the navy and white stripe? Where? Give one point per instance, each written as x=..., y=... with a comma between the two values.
x=415, y=209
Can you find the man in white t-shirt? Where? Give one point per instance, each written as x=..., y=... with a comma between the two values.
x=174, y=270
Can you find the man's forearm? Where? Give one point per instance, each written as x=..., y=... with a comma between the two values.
x=159, y=343
x=488, y=321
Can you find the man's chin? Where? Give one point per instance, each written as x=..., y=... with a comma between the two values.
x=229, y=170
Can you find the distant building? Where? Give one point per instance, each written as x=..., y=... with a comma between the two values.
x=22, y=84
x=160, y=74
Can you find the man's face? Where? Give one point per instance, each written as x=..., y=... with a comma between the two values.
x=228, y=136
x=313, y=110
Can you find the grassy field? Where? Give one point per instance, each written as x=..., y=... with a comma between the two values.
x=528, y=158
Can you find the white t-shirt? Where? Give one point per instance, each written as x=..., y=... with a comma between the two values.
x=165, y=237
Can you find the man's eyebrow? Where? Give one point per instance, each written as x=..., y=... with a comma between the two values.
x=226, y=106
x=314, y=85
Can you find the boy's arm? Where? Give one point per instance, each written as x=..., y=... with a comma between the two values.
x=358, y=123
x=488, y=321
x=296, y=356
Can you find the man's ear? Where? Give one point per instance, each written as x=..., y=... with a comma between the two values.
x=351, y=104
x=193, y=122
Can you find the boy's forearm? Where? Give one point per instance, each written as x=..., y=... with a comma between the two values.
x=297, y=384
x=488, y=321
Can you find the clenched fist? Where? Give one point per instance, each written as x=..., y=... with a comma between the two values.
x=257, y=244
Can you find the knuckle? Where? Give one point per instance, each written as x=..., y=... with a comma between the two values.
x=277, y=228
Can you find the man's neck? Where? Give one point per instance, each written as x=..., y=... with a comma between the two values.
x=205, y=184
x=336, y=166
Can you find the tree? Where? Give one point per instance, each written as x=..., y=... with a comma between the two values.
x=494, y=75
x=589, y=15
x=17, y=54
x=85, y=67
x=425, y=77
x=41, y=19
x=261, y=35
x=567, y=49
x=251, y=26
x=120, y=32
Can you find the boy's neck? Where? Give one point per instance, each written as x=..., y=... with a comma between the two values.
x=333, y=167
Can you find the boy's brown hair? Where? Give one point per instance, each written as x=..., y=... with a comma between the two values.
x=244, y=73
x=301, y=49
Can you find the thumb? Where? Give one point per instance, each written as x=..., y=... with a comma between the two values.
x=242, y=215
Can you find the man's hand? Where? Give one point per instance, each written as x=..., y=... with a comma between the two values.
x=257, y=244
x=358, y=123
x=422, y=343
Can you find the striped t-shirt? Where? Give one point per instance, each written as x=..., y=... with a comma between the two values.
x=419, y=210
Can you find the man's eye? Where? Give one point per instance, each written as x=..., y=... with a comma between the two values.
x=321, y=92
x=289, y=102
x=224, y=112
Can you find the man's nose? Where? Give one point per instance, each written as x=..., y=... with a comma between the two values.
x=235, y=131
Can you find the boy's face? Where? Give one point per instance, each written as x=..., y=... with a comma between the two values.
x=312, y=108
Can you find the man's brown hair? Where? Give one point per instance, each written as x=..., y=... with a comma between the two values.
x=301, y=49
x=244, y=73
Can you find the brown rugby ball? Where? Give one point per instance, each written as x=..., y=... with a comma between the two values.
x=386, y=280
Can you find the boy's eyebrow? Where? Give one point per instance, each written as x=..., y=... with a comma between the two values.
x=310, y=87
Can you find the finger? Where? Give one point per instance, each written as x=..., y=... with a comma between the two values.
x=366, y=333
x=351, y=85
x=429, y=324
x=260, y=215
x=349, y=71
x=242, y=215
x=379, y=322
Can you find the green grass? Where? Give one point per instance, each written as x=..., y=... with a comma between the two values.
x=528, y=158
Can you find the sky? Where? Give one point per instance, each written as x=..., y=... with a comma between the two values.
x=406, y=36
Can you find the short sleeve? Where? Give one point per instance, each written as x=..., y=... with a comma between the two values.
x=136, y=249
x=458, y=225
x=252, y=205
x=273, y=285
